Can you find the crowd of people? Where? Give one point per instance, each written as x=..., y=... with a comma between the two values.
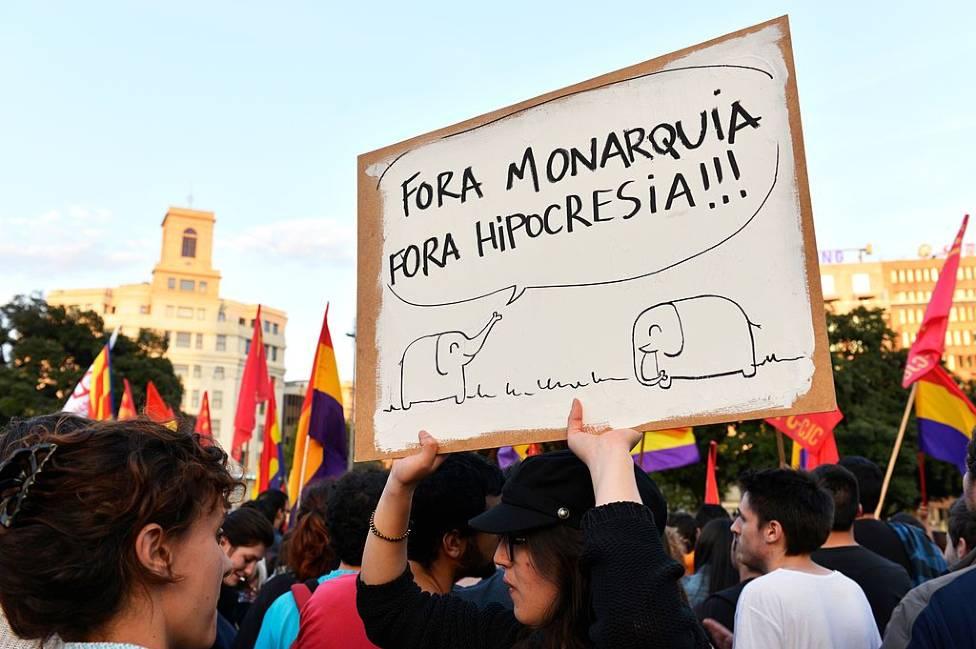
x=131, y=533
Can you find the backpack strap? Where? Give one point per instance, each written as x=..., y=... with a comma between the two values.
x=302, y=594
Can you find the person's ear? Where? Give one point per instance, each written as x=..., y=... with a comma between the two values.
x=453, y=545
x=962, y=548
x=154, y=551
x=772, y=532
x=860, y=511
x=225, y=545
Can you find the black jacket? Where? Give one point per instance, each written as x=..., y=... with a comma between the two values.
x=634, y=591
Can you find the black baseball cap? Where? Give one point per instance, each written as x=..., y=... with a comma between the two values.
x=555, y=488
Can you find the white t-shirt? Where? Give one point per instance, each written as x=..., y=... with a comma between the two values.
x=788, y=609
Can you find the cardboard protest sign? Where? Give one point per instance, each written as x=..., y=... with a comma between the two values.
x=642, y=241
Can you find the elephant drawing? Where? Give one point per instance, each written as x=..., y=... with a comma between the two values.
x=693, y=338
x=432, y=367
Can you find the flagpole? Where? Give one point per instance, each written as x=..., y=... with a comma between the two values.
x=301, y=475
x=894, y=451
x=781, y=449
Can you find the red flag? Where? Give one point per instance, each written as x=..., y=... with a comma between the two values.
x=826, y=455
x=254, y=390
x=127, y=409
x=711, y=486
x=202, y=426
x=156, y=408
x=926, y=351
x=809, y=431
x=534, y=449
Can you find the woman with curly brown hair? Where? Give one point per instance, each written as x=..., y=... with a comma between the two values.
x=109, y=533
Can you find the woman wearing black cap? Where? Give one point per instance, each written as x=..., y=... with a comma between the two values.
x=583, y=558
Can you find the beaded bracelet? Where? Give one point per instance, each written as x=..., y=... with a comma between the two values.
x=390, y=539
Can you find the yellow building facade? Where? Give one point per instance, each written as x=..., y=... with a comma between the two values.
x=903, y=288
x=208, y=334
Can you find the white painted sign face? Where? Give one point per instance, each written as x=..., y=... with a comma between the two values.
x=639, y=242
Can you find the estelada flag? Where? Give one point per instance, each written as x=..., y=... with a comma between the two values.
x=203, y=426
x=271, y=466
x=320, y=440
x=127, y=409
x=92, y=397
x=811, y=431
x=926, y=351
x=156, y=408
x=254, y=390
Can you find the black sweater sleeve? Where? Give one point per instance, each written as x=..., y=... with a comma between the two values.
x=398, y=615
x=634, y=584
x=634, y=587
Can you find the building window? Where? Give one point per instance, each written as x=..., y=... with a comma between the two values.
x=861, y=283
x=218, y=373
x=199, y=344
x=184, y=312
x=901, y=317
x=267, y=326
x=240, y=322
x=187, y=285
x=218, y=399
x=247, y=346
x=169, y=310
x=904, y=339
x=197, y=371
x=201, y=314
x=202, y=286
x=827, y=281
x=182, y=338
x=274, y=328
x=274, y=353
x=181, y=370
x=189, y=243
x=901, y=276
x=911, y=316
x=221, y=343
x=171, y=283
x=195, y=401
x=215, y=426
x=221, y=315
x=144, y=309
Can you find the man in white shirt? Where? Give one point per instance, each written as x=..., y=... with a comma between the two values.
x=783, y=517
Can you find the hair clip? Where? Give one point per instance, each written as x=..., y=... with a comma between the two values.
x=17, y=474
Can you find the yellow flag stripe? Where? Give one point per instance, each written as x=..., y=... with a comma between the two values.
x=938, y=404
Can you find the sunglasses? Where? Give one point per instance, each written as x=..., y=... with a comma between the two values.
x=511, y=541
x=17, y=475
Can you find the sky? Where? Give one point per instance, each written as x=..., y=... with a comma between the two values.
x=114, y=111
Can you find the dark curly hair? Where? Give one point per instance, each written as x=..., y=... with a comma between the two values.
x=347, y=514
x=307, y=549
x=68, y=559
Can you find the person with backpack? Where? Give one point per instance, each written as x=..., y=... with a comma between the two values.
x=347, y=517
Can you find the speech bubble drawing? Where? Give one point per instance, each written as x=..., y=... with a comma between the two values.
x=605, y=186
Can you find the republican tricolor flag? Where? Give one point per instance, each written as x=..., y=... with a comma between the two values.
x=946, y=418
x=666, y=449
x=320, y=441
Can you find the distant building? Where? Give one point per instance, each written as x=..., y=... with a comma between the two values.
x=209, y=335
x=903, y=288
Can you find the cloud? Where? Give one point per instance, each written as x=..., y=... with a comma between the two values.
x=317, y=241
x=75, y=239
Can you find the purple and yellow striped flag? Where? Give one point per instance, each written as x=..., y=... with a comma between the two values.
x=320, y=441
x=945, y=418
x=666, y=449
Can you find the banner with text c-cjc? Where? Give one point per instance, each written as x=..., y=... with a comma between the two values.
x=642, y=240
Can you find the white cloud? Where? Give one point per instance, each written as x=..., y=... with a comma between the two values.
x=318, y=241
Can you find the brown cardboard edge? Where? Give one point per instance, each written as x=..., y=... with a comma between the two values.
x=821, y=396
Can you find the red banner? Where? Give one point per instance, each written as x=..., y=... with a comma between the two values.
x=809, y=431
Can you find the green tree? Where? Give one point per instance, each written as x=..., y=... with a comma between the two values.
x=867, y=377
x=45, y=350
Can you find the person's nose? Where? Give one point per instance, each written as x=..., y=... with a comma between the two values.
x=501, y=557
